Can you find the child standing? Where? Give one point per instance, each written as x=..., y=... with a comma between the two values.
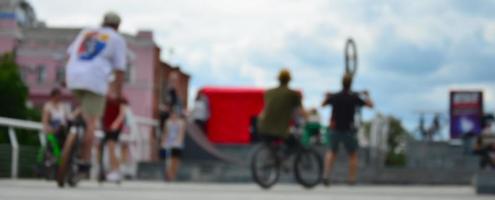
x=173, y=143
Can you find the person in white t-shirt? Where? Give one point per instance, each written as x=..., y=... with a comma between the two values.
x=173, y=143
x=94, y=56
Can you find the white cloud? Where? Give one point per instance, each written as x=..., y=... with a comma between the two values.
x=489, y=32
x=247, y=42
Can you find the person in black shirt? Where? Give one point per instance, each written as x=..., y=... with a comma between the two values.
x=342, y=128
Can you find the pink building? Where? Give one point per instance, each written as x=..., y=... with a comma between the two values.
x=40, y=52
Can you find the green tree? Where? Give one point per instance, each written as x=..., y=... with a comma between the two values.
x=396, y=141
x=14, y=93
x=12, y=88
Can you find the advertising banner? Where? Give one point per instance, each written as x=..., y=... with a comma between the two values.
x=466, y=112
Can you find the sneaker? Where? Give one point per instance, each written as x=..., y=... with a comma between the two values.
x=326, y=182
x=83, y=169
x=113, y=176
x=126, y=172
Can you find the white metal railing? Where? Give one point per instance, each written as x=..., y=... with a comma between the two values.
x=142, y=148
x=139, y=152
x=22, y=124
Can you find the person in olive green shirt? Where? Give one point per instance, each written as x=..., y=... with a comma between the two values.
x=281, y=103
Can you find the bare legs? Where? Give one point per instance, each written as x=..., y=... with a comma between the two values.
x=170, y=170
x=330, y=158
x=114, y=163
x=329, y=161
x=88, y=138
x=124, y=152
x=353, y=167
x=173, y=168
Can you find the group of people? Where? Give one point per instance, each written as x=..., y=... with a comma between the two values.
x=95, y=69
x=57, y=118
x=95, y=75
x=282, y=103
x=99, y=53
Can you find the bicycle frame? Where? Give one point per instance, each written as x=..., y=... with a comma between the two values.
x=68, y=166
x=280, y=154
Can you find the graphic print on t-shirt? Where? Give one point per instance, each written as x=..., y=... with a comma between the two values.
x=92, y=45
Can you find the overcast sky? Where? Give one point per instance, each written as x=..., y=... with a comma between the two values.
x=411, y=53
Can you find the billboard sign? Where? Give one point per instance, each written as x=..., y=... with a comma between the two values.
x=466, y=113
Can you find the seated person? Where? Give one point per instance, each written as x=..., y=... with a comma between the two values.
x=312, y=127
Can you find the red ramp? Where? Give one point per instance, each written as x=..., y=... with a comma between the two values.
x=231, y=111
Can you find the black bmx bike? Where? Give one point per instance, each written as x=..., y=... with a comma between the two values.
x=68, y=170
x=273, y=156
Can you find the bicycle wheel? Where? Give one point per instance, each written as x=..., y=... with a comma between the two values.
x=265, y=167
x=308, y=168
x=66, y=161
x=73, y=176
x=50, y=167
x=350, y=57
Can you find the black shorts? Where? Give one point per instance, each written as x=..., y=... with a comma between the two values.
x=290, y=140
x=112, y=135
x=347, y=138
x=174, y=153
x=201, y=124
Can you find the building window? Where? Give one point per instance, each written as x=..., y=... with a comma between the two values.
x=129, y=69
x=128, y=73
x=41, y=74
x=23, y=70
x=60, y=75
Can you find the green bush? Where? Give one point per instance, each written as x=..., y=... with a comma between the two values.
x=13, y=102
x=4, y=137
x=396, y=156
x=395, y=159
x=14, y=92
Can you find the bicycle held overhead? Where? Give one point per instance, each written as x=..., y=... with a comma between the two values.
x=346, y=116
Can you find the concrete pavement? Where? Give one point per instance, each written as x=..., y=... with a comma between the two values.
x=41, y=190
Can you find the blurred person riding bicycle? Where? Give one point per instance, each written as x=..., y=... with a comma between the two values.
x=56, y=117
x=281, y=105
x=94, y=56
x=280, y=145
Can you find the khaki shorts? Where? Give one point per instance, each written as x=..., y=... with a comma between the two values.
x=92, y=104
